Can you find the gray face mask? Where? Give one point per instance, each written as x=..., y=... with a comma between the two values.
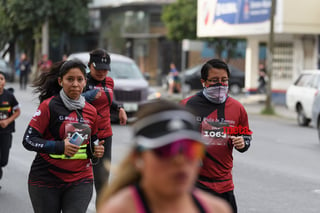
x=216, y=93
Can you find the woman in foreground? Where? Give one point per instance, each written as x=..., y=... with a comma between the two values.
x=159, y=173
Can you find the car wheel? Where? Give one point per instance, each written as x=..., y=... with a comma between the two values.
x=235, y=89
x=302, y=119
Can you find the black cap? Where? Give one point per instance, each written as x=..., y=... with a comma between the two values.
x=100, y=59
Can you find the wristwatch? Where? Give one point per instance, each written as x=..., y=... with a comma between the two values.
x=119, y=106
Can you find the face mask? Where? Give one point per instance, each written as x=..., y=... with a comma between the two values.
x=216, y=93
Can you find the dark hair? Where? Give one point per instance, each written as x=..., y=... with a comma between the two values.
x=213, y=63
x=2, y=73
x=47, y=83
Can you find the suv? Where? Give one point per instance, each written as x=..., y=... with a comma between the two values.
x=130, y=87
x=301, y=95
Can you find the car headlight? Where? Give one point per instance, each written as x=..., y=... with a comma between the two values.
x=153, y=94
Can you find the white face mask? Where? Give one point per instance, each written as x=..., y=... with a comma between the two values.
x=216, y=93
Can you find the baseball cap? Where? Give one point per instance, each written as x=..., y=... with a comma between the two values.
x=100, y=59
x=163, y=128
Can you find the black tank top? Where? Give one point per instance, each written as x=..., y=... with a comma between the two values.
x=143, y=205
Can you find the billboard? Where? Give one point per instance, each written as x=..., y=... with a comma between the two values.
x=233, y=17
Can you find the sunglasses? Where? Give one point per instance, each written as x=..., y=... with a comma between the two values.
x=191, y=149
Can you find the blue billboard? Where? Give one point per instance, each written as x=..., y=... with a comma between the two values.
x=242, y=11
x=233, y=17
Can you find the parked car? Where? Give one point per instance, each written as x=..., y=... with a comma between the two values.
x=7, y=69
x=130, y=87
x=192, y=77
x=300, y=96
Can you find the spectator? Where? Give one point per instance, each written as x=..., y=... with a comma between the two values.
x=262, y=79
x=159, y=172
x=216, y=112
x=45, y=64
x=61, y=175
x=25, y=69
x=9, y=111
x=174, y=80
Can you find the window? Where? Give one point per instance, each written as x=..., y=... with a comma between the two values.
x=304, y=80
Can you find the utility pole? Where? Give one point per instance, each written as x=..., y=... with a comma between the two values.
x=268, y=105
x=45, y=37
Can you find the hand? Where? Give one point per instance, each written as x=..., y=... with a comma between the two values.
x=99, y=150
x=98, y=95
x=238, y=142
x=4, y=123
x=122, y=116
x=69, y=148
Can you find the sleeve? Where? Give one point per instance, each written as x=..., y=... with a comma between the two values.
x=94, y=137
x=90, y=95
x=33, y=141
x=116, y=106
x=33, y=138
x=247, y=134
x=14, y=103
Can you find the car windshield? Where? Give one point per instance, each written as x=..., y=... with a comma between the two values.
x=3, y=63
x=124, y=70
x=194, y=69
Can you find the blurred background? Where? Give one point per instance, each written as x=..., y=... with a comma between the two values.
x=157, y=32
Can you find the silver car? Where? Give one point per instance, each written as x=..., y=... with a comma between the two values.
x=130, y=87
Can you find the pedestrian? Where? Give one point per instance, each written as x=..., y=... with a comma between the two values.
x=99, y=93
x=64, y=57
x=61, y=177
x=159, y=172
x=262, y=79
x=9, y=111
x=224, y=122
x=45, y=64
x=25, y=69
x=174, y=80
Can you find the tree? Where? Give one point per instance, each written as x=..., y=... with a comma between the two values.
x=180, y=19
x=21, y=21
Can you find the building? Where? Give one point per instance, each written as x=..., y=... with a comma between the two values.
x=296, y=36
x=133, y=28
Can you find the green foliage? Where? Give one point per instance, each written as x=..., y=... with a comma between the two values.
x=22, y=19
x=268, y=111
x=180, y=19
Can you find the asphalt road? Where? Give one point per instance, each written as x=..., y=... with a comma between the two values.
x=279, y=174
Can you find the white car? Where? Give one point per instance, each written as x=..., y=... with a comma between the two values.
x=301, y=95
x=131, y=89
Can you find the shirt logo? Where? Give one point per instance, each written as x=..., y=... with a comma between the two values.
x=37, y=113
